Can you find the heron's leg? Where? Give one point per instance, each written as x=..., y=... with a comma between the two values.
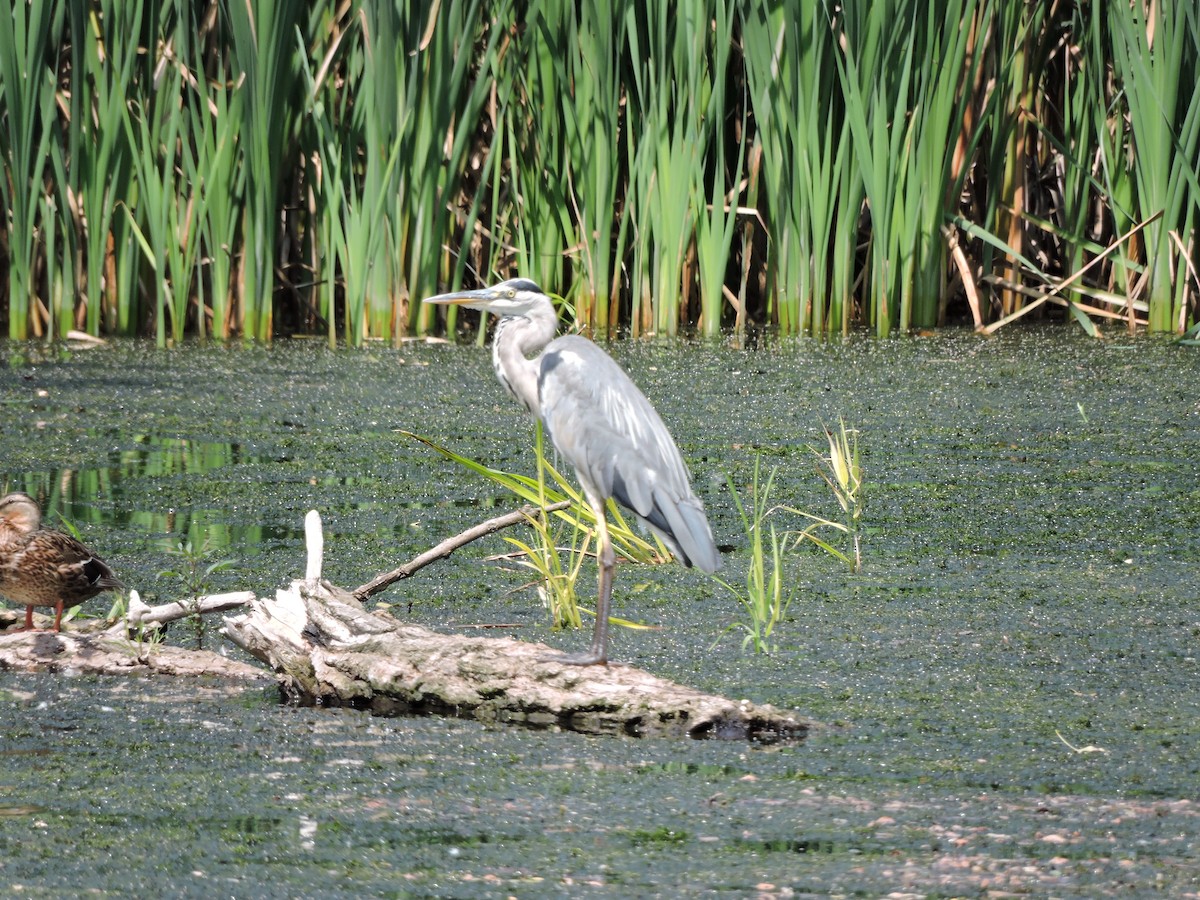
x=597, y=654
x=607, y=559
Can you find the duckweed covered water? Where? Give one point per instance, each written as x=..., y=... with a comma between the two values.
x=1009, y=686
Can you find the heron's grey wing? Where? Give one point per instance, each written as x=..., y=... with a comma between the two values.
x=608, y=431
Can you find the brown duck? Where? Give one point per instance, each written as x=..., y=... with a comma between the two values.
x=41, y=567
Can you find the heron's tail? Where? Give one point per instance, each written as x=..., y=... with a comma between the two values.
x=684, y=528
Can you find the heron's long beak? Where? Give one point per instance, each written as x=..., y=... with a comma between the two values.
x=476, y=299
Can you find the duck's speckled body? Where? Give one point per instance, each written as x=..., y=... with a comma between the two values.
x=41, y=567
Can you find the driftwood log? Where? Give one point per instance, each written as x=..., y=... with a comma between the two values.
x=324, y=647
x=327, y=648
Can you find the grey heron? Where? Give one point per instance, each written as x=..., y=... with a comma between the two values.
x=601, y=424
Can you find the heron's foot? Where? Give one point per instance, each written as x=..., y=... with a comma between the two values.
x=590, y=658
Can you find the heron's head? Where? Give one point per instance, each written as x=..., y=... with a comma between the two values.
x=515, y=297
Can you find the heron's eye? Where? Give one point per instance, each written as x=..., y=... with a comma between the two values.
x=511, y=293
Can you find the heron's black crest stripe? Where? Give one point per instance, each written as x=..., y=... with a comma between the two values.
x=524, y=284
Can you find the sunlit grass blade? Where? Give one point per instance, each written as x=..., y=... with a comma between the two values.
x=767, y=592
x=842, y=470
x=625, y=541
x=558, y=582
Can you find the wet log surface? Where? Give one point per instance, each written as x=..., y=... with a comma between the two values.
x=326, y=648
x=130, y=647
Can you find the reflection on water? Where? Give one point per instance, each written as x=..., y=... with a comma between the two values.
x=137, y=488
x=100, y=496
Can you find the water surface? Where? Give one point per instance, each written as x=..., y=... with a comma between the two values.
x=1010, y=685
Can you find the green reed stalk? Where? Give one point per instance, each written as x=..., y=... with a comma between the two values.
x=1115, y=153
x=642, y=126
x=875, y=76
x=904, y=63
x=105, y=50
x=355, y=178
x=435, y=113
x=163, y=219
x=939, y=113
x=667, y=48
x=1092, y=149
x=715, y=208
x=214, y=117
x=26, y=111
x=536, y=203
x=812, y=195
x=373, y=304
x=1011, y=135
x=1020, y=37
x=1155, y=50
x=58, y=270
x=592, y=113
x=60, y=208
x=183, y=248
x=634, y=231
x=1085, y=111
x=264, y=53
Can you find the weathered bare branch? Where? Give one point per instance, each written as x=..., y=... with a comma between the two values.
x=448, y=546
x=140, y=613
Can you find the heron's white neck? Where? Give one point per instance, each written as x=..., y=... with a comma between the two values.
x=516, y=338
